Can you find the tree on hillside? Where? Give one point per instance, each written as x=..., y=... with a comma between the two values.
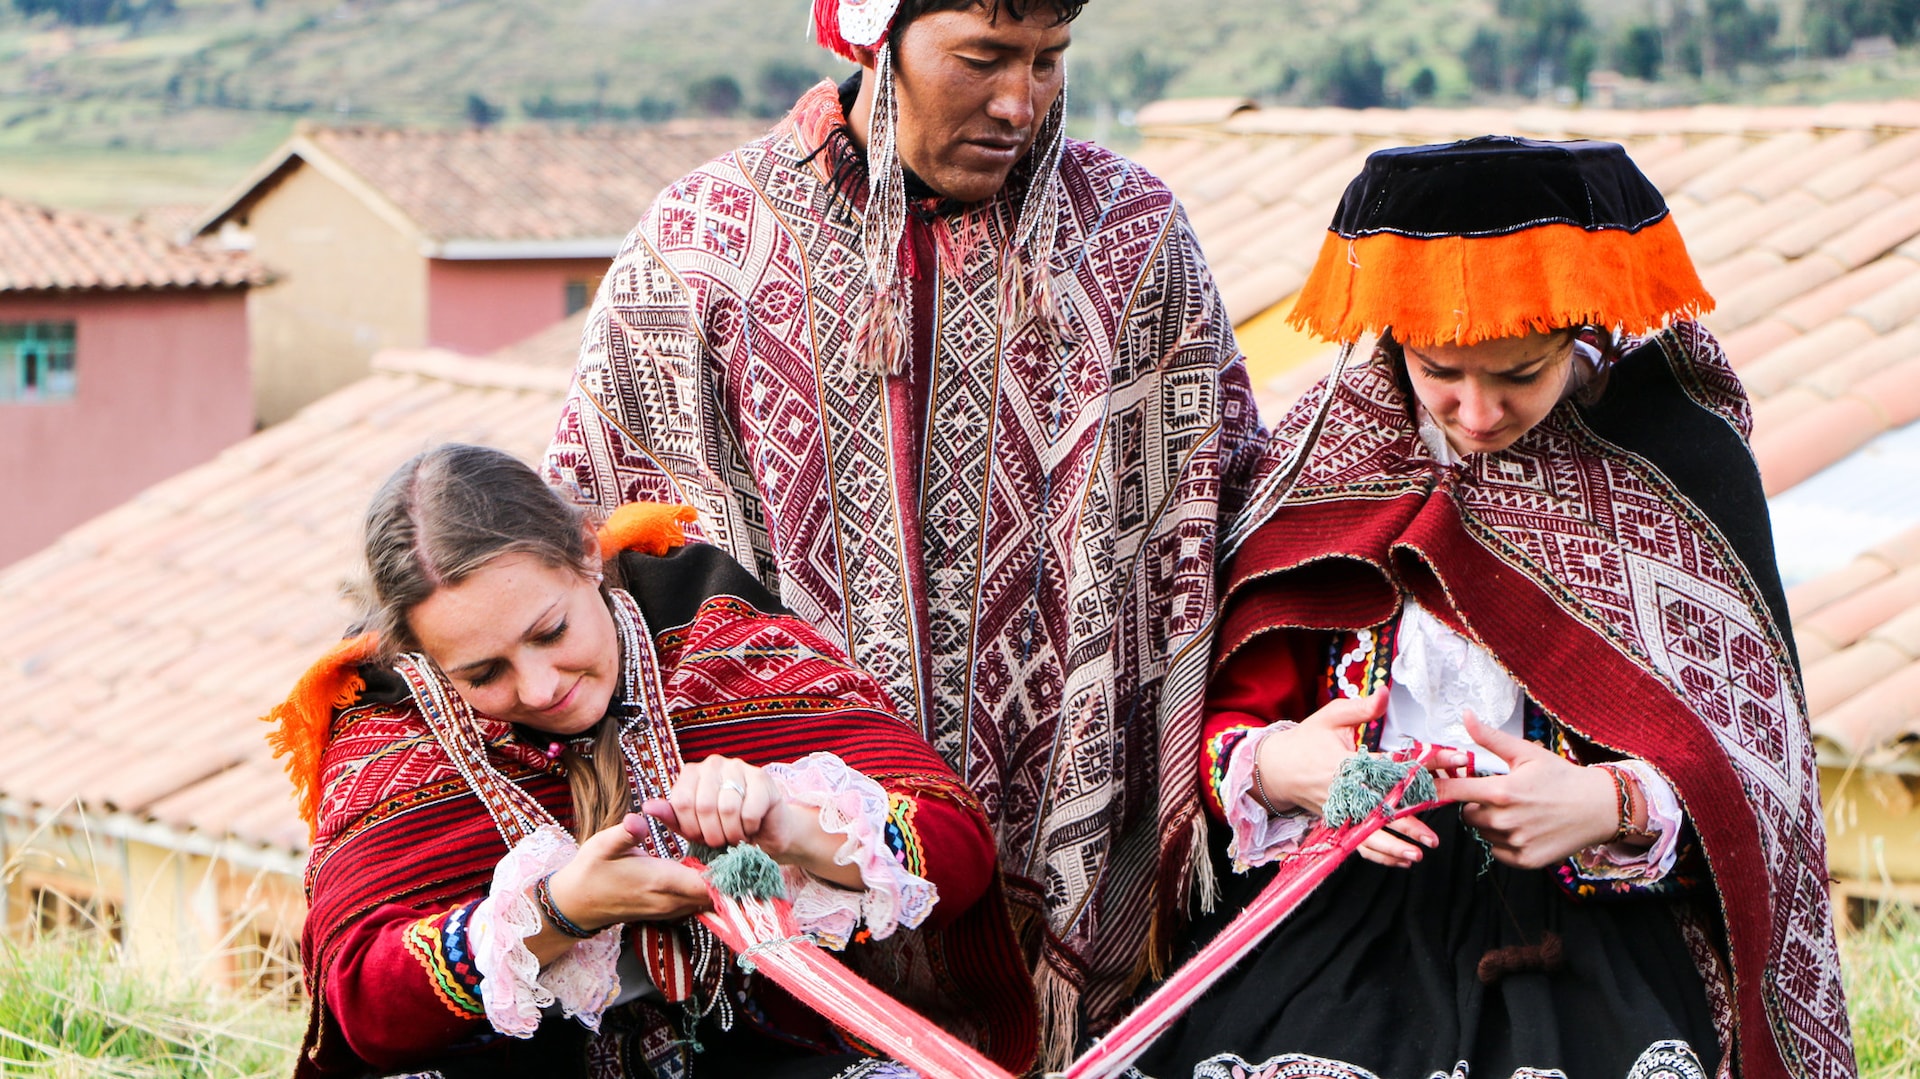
x=1741, y=34
x=1640, y=52
x=97, y=12
x=1485, y=59
x=1543, y=34
x=482, y=113
x=715, y=95
x=780, y=84
x=1832, y=26
x=1137, y=78
x=1353, y=78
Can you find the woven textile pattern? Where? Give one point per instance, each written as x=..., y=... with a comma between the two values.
x=1069, y=491
x=1622, y=552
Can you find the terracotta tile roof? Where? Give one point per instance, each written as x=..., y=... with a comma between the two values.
x=45, y=250
x=137, y=652
x=1859, y=634
x=530, y=184
x=1805, y=223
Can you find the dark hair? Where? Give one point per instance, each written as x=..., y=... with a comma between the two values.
x=1064, y=11
x=441, y=517
x=1600, y=337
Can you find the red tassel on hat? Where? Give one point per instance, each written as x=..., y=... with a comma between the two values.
x=826, y=30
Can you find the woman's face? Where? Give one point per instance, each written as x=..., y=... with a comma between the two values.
x=524, y=641
x=1485, y=396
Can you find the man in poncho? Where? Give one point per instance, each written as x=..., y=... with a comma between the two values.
x=963, y=392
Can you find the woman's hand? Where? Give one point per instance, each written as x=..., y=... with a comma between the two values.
x=611, y=881
x=1542, y=811
x=720, y=801
x=1297, y=766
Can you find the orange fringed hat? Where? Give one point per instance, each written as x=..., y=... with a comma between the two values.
x=1498, y=237
x=303, y=723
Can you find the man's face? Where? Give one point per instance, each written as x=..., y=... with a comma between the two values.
x=972, y=92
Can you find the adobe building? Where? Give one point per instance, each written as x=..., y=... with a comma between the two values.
x=123, y=359
x=464, y=240
x=137, y=793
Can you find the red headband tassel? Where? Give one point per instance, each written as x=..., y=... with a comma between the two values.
x=826, y=30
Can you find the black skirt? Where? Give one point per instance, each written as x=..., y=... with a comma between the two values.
x=1377, y=974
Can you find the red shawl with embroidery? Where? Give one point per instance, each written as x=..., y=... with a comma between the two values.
x=1618, y=561
x=403, y=842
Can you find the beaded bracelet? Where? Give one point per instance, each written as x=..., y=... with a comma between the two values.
x=1623, y=801
x=543, y=895
x=1260, y=787
x=1628, y=796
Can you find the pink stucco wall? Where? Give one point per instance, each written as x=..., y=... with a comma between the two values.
x=479, y=306
x=160, y=385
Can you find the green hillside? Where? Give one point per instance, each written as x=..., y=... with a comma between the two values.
x=121, y=103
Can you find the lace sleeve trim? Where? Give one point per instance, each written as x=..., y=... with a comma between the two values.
x=858, y=808
x=1259, y=837
x=514, y=988
x=1640, y=865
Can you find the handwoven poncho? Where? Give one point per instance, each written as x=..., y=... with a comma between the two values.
x=1017, y=536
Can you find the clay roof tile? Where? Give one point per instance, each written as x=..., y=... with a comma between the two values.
x=1758, y=296
x=1797, y=168
x=1876, y=234
x=44, y=250
x=1811, y=442
x=1843, y=176
x=1754, y=158
x=1814, y=225
x=1890, y=308
x=1845, y=673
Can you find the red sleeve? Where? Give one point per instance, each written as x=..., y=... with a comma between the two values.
x=403, y=987
x=941, y=840
x=1270, y=678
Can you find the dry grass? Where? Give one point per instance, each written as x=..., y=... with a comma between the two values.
x=73, y=1004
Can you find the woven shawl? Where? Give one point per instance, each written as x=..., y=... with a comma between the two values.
x=1636, y=602
x=1046, y=616
x=400, y=824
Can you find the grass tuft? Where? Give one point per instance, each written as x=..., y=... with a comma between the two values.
x=72, y=1004
x=1882, y=964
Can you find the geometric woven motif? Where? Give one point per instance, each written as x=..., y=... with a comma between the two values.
x=1050, y=629
x=1621, y=550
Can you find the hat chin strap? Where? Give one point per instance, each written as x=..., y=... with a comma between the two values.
x=884, y=337
x=881, y=342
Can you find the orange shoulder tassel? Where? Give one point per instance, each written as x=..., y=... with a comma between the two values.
x=303, y=722
x=647, y=527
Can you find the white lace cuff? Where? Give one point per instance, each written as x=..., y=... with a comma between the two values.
x=1641, y=865
x=854, y=806
x=1258, y=836
x=514, y=989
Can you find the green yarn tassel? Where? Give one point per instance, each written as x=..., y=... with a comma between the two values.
x=1364, y=783
x=743, y=872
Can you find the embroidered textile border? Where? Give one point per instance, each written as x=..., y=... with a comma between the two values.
x=440, y=945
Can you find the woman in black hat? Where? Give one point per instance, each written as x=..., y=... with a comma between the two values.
x=1527, y=528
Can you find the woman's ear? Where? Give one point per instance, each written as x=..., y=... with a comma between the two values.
x=591, y=560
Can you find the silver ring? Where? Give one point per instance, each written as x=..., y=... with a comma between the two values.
x=730, y=785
